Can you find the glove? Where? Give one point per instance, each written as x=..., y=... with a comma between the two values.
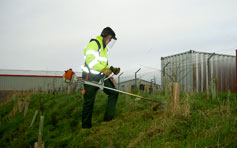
x=106, y=71
x=115, y=70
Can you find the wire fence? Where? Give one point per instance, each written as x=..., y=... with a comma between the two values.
x=152, y=76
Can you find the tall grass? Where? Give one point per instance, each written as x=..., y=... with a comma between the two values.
x=202, y=122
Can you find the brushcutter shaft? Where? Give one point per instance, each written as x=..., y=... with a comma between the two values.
x=123, y=92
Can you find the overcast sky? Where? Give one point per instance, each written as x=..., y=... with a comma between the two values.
x=51, y=34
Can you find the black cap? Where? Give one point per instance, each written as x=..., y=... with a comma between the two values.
x=108, y=31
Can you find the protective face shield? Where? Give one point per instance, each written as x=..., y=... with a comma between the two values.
x=111, y=43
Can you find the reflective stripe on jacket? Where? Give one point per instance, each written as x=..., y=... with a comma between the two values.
x=96, y=59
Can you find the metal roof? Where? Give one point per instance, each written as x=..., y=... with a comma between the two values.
x=192, y=51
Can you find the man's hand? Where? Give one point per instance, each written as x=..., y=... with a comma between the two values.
x=106, y=71
x=116, y=71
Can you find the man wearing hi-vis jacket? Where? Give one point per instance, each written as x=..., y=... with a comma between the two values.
x=94, y=69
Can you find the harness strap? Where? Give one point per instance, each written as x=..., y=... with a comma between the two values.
x=98, y=43
x=99, y=47
x=86, y=76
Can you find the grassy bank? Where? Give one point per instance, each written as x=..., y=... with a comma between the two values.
x=201, y=122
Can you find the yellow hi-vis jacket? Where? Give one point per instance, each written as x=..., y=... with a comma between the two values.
x=96, y=56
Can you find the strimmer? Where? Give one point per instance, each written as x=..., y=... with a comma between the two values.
x=69, y=77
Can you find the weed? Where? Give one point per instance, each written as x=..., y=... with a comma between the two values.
x=201, y=123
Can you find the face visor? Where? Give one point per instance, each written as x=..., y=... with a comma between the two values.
x=111, y=43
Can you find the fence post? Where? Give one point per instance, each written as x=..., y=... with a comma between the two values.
x=174, y=98
x=176, y=88
x=33, y=120
x=213, y=88
x=20, y=105
x=40, y=143
x=26, y=107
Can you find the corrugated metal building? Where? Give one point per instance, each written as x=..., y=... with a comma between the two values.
x=191, y=70
x=28, y=80
x=143, y=85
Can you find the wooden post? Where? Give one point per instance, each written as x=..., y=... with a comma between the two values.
x=174, y=98
x=20, y=105
x=33, y=120
x=37, y=145
x=41, y=129
x=176, y=87
x=26, y=107
x=40, y=143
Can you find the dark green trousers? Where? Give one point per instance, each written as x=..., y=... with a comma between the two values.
x=89, y=98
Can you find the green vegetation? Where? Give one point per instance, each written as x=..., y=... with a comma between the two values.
x=201, y=122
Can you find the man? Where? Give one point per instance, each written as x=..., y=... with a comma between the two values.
x=94, y=69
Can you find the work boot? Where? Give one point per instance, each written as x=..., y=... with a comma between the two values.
x=107, y=119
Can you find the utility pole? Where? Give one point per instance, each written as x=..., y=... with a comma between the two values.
x=136, y=78
x=119, y=80
x=208, y=69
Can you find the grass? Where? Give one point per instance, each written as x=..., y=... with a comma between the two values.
x=201, y=122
